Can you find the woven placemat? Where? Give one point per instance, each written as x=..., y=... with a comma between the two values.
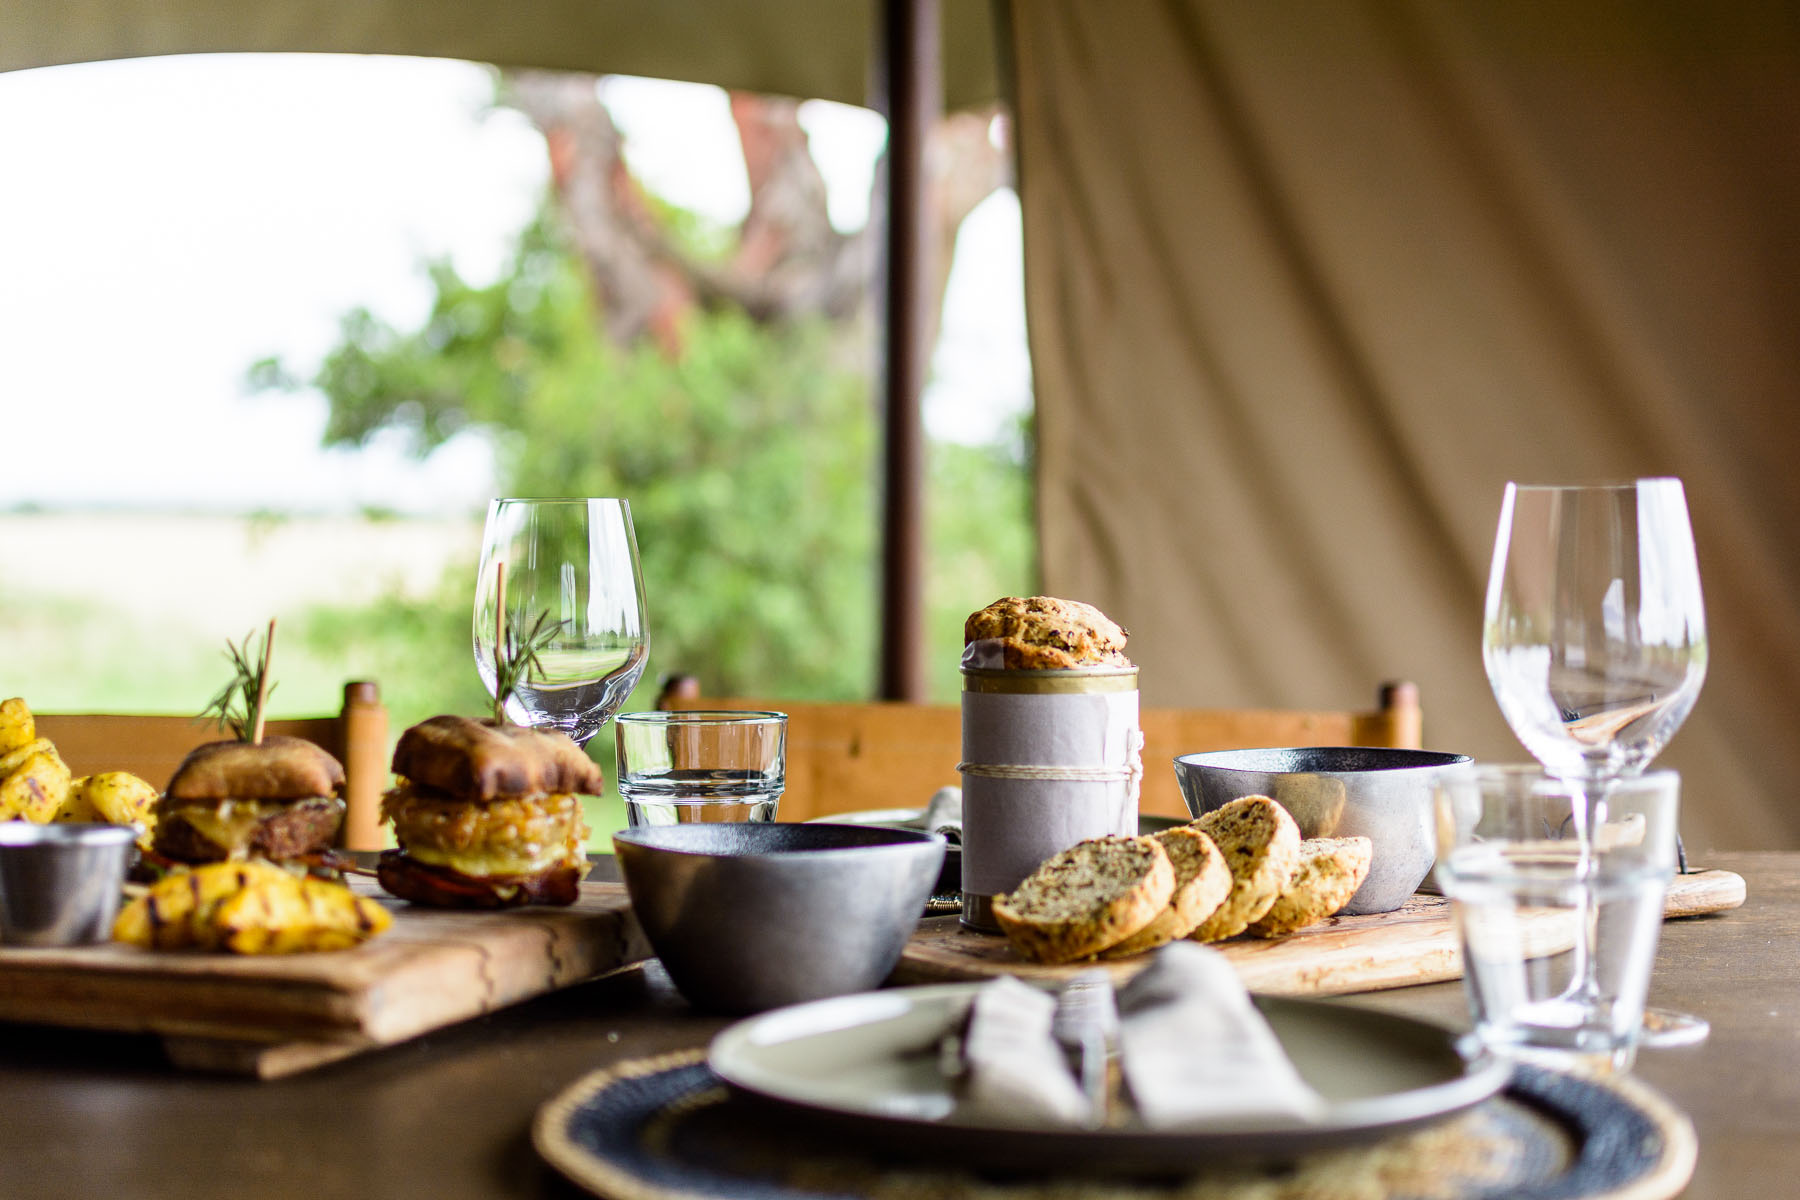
x=667, y=1128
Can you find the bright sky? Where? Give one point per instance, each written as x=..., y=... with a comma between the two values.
x=166, y=222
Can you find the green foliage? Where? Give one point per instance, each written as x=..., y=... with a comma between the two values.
x=749, y=459
x=419, y=649
x=981, y=539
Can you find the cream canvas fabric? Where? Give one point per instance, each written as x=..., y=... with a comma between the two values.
x=802, y=48
x=1308, y=283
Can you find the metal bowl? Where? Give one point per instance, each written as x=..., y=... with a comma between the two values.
x=1337, y=791
x=748, y=917
x=60, y=884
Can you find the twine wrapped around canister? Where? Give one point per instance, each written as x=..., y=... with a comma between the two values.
x=1132, y=772
x=1050, y=758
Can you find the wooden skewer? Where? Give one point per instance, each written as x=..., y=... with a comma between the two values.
x=262, y=684
x=500, y=654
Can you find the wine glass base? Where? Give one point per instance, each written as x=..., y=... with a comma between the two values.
x=1664, y=1028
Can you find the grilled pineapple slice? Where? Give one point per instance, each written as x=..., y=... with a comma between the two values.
x=297, y=915
x=249, y=907
x=177, y=911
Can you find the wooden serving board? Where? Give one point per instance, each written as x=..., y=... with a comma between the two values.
x=279, y=1014
x=1415, y=944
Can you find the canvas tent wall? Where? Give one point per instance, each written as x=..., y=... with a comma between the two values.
x=1308, y=283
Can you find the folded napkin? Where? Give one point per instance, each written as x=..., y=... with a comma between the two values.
x=1010, y=1067
x=1195, y=1050
x=943, y=815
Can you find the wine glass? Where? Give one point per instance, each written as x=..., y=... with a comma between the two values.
x=1594, y=641
x=568, y=570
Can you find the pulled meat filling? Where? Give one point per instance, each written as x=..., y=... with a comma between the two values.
x=517, y=835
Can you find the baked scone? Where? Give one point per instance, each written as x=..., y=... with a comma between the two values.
x=1261, y=844
x=1081, y=900
x=1330, y=871
x=1040, y=633
x=1202, y=881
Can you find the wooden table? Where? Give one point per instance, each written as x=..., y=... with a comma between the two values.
x=447, y=1116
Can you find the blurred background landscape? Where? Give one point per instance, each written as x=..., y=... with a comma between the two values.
x=279, y=327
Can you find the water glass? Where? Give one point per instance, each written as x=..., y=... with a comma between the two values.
x=701, y=765
x=1516, y=872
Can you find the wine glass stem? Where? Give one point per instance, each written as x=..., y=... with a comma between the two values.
x=1587, y=811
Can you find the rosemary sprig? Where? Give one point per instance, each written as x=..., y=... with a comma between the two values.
x=516, y=654
x=240, y=705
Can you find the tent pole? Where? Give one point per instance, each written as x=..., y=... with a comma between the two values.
x=911, y=75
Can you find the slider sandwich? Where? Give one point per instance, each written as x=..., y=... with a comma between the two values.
x=279, y=799
x=487, y=815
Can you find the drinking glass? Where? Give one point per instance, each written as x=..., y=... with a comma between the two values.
x=1526, y=892
x=701, y=765
x=571, y=572
x=1594, y=641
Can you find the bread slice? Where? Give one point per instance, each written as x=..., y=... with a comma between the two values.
x=1202, y=881
x=1330, y=871
x=1081, y=900
x=1261, y=844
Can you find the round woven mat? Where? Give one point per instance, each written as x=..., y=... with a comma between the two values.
x=667, y=1129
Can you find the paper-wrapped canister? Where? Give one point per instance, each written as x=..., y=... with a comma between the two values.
x=1049, y=758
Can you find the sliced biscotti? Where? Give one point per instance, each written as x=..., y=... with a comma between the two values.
x=1261, y=844
x=1330, y=871
x=1081, y=900
x=1202, y=881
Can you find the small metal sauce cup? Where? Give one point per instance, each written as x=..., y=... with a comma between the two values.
x=60, y=884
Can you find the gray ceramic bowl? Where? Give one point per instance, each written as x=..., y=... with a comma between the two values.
x=748, y=917
x=1337, y=791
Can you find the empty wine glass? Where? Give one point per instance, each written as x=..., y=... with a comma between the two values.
x=1594, y=641
x=566, y=573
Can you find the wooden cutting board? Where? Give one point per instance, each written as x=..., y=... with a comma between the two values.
x=1415, y=944
x=276, y=1015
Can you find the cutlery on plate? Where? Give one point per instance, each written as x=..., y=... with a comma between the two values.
x=1086, y=1026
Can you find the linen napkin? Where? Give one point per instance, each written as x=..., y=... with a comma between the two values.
x=942, y=815
x=1194, y=1050
x=1008, y=1063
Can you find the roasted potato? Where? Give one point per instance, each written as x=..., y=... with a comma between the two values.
x=15, y=758
x=117, y=796
x=76, y=807
x=36, y=788
x=17, y=726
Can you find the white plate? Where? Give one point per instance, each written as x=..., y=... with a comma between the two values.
x=869, y=1061
x=870, y=816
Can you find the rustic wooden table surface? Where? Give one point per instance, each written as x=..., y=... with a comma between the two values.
x=447, y=1116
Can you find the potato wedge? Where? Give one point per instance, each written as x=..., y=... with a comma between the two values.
x=119, y=797
x=17, y=726
x=15, y=758
x=36, y=789
x=76, y=807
